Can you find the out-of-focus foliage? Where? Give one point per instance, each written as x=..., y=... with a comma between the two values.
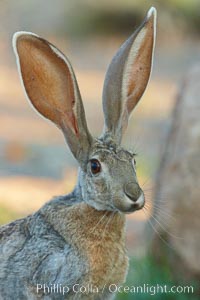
x=147, y=272
x=120, y=16
x=84, y=17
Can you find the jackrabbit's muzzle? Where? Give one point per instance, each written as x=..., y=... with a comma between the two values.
x=132, y=198
x=132, y=191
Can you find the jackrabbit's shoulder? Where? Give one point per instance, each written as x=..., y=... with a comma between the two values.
x=13, y=229
x=25, y=226
x=62, y=202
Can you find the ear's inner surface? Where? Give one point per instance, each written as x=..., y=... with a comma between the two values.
x=51, y=87
x=47, y=81
x=140, y=66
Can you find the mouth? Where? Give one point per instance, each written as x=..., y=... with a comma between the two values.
x=128, y=206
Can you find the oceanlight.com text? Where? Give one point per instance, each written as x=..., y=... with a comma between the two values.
x=114, y=288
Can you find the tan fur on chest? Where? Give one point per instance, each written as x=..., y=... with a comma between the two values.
x=105, y=248
x=102, y=238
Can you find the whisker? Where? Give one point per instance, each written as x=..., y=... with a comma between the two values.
x=160, y=210
x=156, y=231
x=101, y=219
x=163, y=212
x=136, y=145
x=110, y=218
x=159, y=214
x=162, y=226
x=152, y=204
x=155, y=200
x=148, y=189
x=144, y=184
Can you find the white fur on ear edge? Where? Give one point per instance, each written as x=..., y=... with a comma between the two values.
x=153, y=11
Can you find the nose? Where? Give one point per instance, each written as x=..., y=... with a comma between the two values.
x=132, y=191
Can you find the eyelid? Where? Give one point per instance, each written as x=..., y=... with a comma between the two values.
x=94, y=157
x=134, y=161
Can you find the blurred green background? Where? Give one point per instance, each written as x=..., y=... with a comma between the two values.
x=35, y=164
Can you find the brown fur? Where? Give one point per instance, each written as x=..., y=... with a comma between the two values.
x=141, y=69
x=47, y=89
x=102, y=241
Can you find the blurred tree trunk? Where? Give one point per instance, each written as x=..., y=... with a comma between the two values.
x=177, y=198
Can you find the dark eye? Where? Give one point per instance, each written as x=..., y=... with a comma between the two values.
x=134, y=162
x=95, y=166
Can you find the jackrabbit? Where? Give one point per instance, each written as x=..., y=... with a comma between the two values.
x=74, y=246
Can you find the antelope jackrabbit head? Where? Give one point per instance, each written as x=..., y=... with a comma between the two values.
x=107, y=175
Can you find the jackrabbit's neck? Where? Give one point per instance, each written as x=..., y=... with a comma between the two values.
x=84, y=221
x=77, y=192
x=98, y=220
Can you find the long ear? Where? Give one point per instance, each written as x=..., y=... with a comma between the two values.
x=51, y=87
x=128, y=76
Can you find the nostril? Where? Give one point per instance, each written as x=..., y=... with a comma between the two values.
x=132, y=191
x=131, y=197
